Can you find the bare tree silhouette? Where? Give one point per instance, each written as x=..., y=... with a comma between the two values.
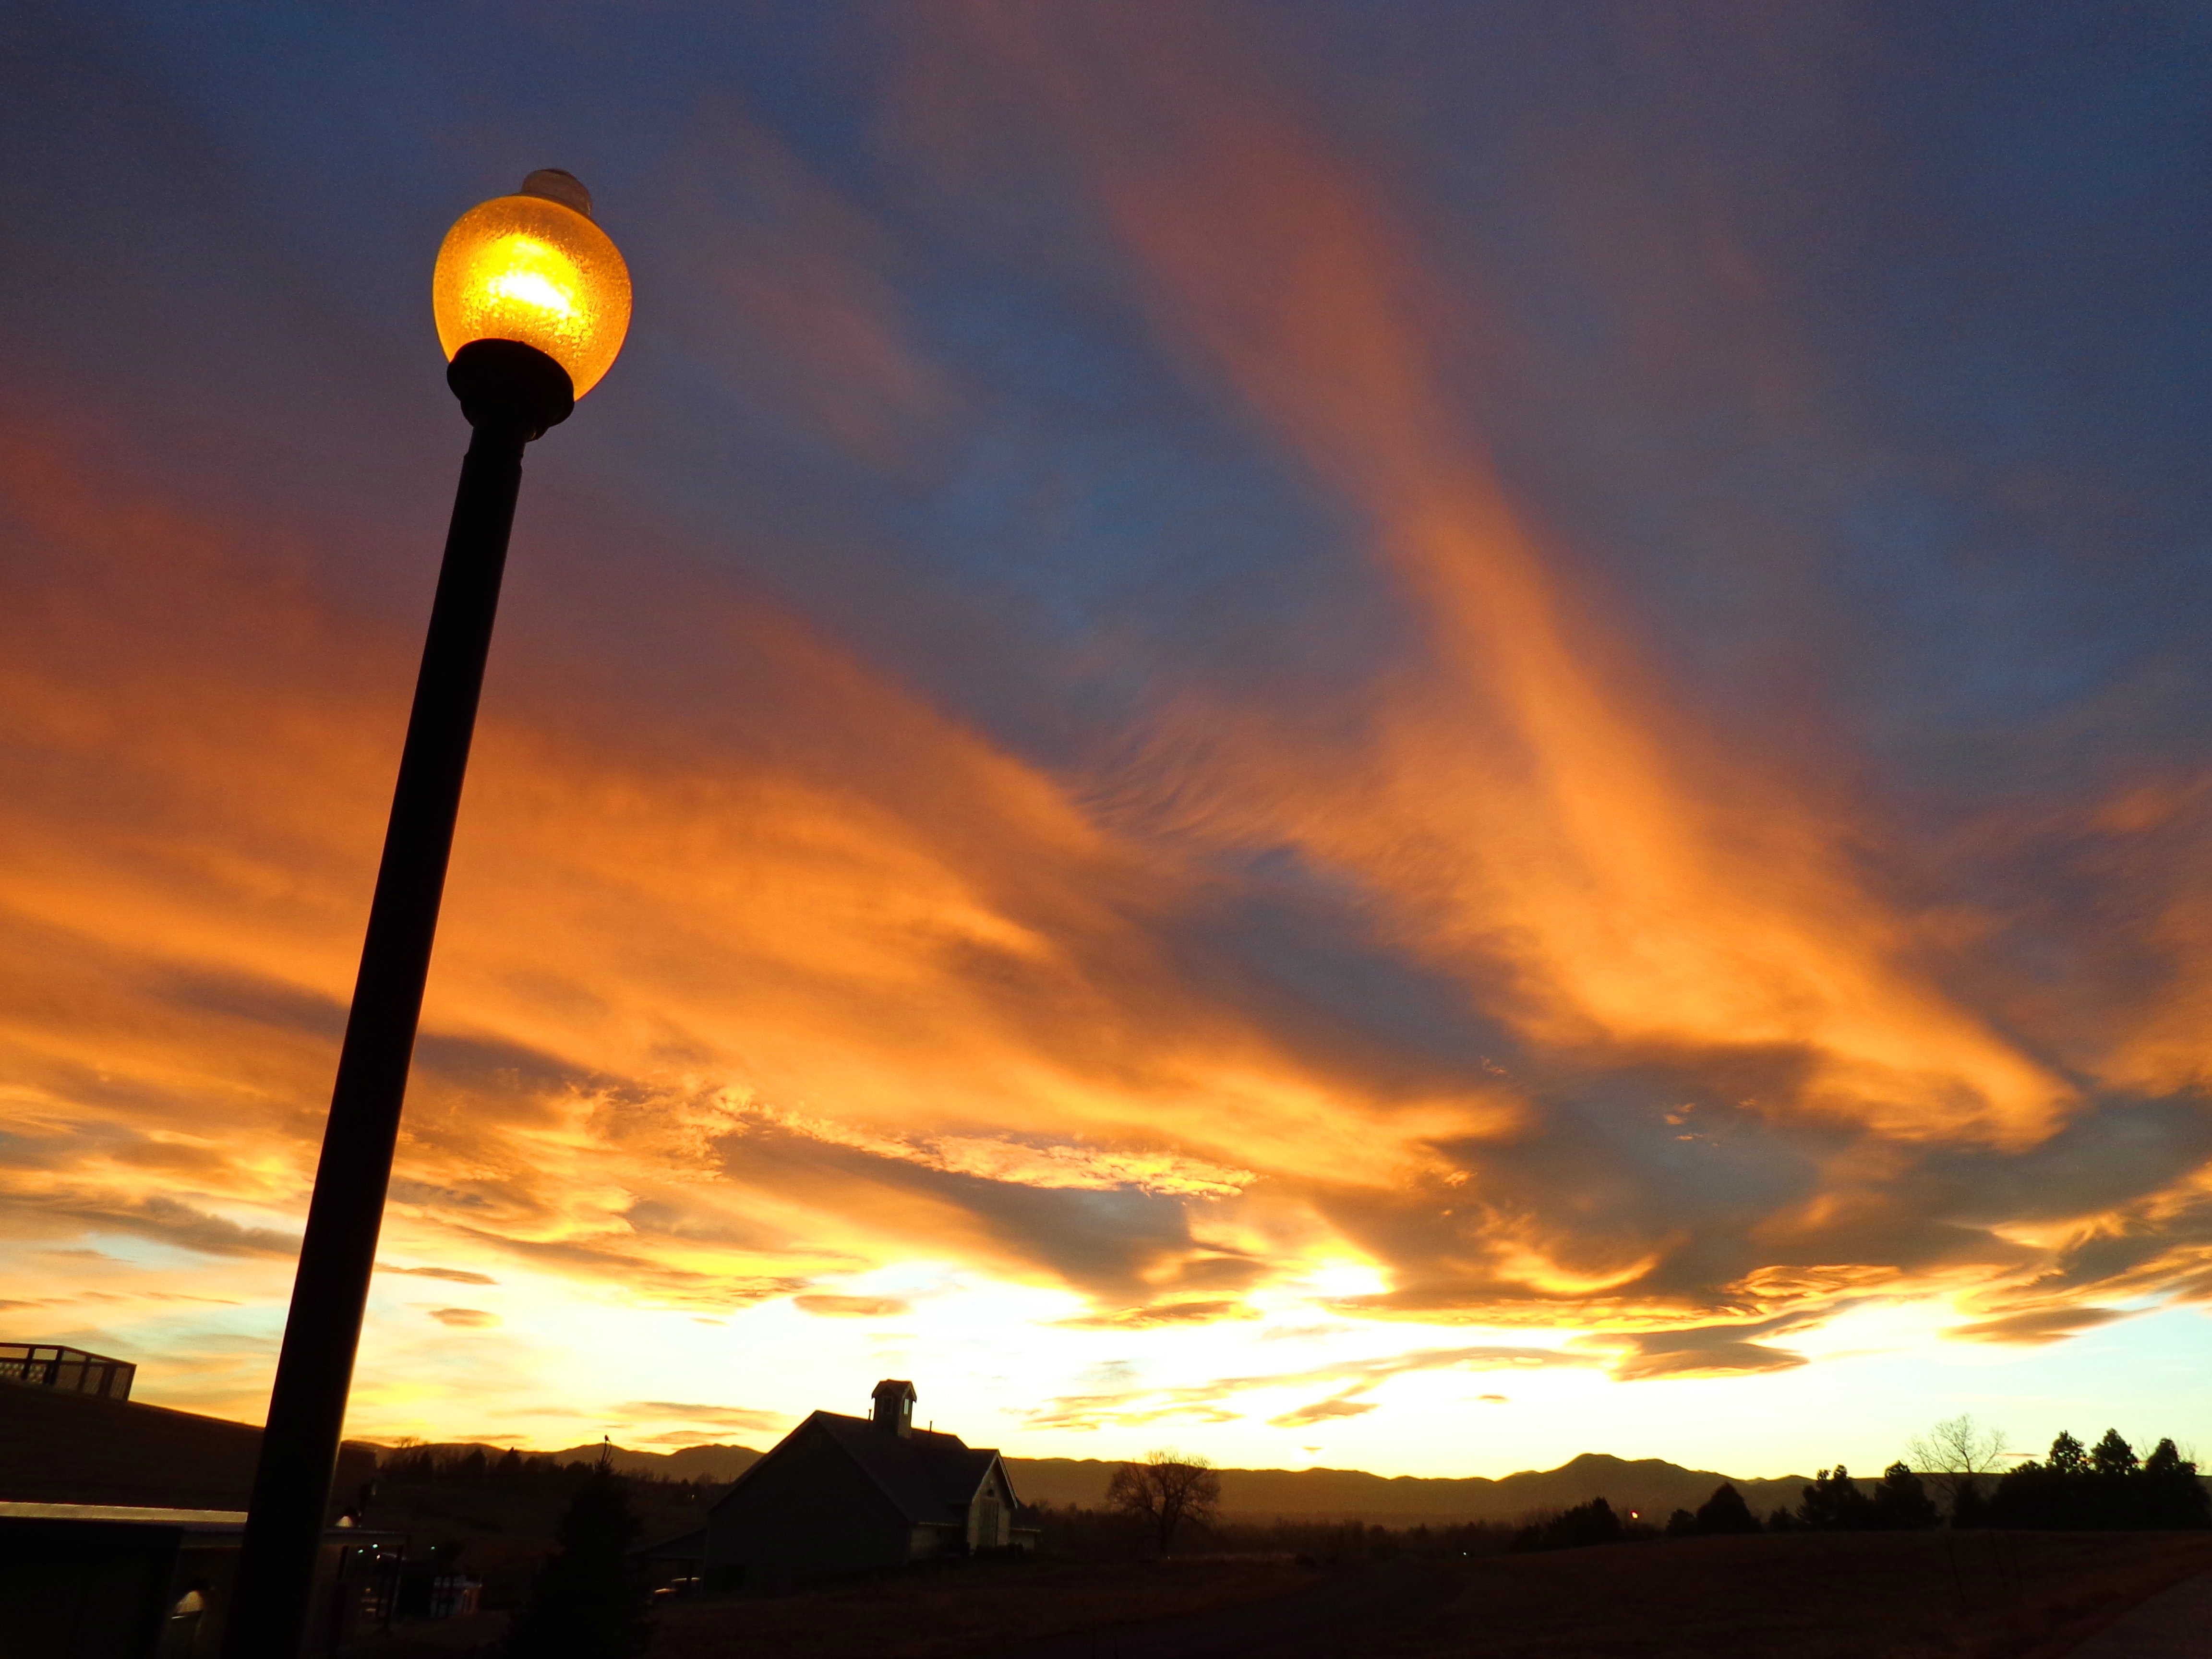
x=1955, y=1455
x=1167, y=1489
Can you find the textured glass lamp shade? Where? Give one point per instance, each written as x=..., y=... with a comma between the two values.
x=532, y=269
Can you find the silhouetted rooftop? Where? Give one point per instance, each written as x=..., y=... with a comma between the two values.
x=924, y=1473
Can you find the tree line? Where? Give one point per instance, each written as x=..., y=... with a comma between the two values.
x=415, y=1465
x=1078, y=1532
x=2105, y=1490
x=1965, y=1477
x=2075, y=1489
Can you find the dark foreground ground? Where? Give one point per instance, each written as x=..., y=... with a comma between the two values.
x=1969, y=1595
x=500, y=1531
x=1972, y=1595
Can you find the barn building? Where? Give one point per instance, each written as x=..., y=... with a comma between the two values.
x=841, y=1495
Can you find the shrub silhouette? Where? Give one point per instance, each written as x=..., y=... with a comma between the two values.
x=1586, y=1524
x=1971, y=1507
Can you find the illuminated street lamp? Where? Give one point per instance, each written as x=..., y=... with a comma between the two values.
x=532, y=301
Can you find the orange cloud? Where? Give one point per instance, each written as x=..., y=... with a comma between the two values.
x=466, y=1319
x=456, y=1275
x=2033, y=1329
x=1515, y=802
x=1205, y=1312
x=713, y=1011
x=1352, y=1379
x=1322, y=1411
x=1521, y=798
x=852, y=1306
x=724, y=1419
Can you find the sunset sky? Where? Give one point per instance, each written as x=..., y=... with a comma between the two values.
x=1414, y=737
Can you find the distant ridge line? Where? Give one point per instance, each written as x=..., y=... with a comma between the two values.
x=1650, y=1486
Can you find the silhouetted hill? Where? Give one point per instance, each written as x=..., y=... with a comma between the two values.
x=708, y=1462
x=1647, y=1484
x=703, y=1462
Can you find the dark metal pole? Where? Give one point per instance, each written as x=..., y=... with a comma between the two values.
x=510, y=399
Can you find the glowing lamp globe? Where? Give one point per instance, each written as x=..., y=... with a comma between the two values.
x=533, y=268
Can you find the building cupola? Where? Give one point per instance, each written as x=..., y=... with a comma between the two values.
x=894, y=1413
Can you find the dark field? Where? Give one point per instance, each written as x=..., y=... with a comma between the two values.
x=964, y=1609
x=1928, y=1595
x=1868, y=1595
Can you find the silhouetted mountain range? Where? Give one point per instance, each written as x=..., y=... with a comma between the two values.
x=1649, y=1485
x=703, y=1462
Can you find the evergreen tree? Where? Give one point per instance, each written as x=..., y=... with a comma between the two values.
x=2172, y=1495
x=2113, y=1455
x=1725, y=1511
x=2066, y=1456
x=1901, y=1503
x=585, y=1603
x=1833, y=1502
x=2077, y=1490
x=1681, y=1524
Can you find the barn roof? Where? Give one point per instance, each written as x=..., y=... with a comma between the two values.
x=924, y=1473
x=929, y=1477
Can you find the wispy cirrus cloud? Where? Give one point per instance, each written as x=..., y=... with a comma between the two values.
x=696, y=1416
x=1214, y=1402
x=453, y=1275
x=1204, y=1311
x=2035, y=1327
x=824, y=1305
x=1322, y=1411
x=465, y=1318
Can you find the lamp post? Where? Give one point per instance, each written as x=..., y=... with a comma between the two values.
x=532, y=301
